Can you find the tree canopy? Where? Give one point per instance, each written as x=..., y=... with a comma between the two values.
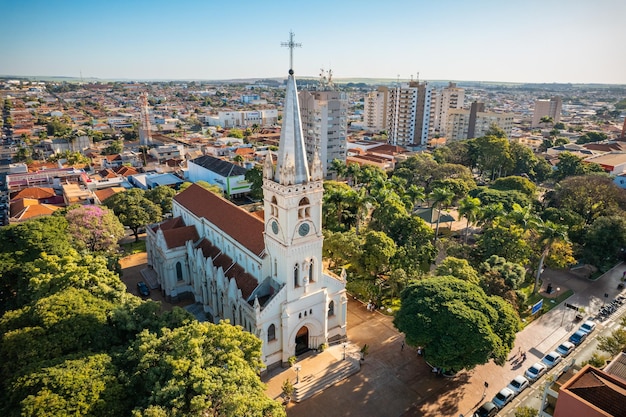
x=456, y=323
x=134, y=209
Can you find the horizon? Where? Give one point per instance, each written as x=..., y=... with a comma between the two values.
x=524, y=42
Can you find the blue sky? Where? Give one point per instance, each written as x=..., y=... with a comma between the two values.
x=578, y=41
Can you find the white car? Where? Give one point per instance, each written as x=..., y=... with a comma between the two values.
x=587, y=326
x=551, y=359
x=518, y=384
x=534, y=372
x=503, y=397
x=565, y=348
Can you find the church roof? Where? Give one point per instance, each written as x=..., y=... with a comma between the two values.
x=291, y=151
x=242, y=226
x=219, y=166
x=176, y=237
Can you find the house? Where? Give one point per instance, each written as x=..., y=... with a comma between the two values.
x=230, y=177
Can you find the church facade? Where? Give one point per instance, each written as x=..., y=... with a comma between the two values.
x=262, y=272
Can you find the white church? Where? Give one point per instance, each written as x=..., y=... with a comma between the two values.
x=262, y=271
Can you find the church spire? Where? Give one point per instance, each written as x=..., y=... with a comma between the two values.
x=291, y=151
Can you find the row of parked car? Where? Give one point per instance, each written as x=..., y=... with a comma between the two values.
x=536, y=371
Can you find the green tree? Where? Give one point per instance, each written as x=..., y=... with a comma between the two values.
x=200, y=369
x=505, y=240
x=493, y=155
x=469, y=208
x=458, y=268
x=235, y=133
x=162, y=196
x=341, y=247
x=255, y=177
x=589, y=137
x=604, y=241
x=214, y=188
x=547, y=234
x=57, y=127
x=613, y=344
x=440, y=197
x=526, y=411
x=521, y=184
x=378, y=250
x=134, y=210
x=337, y=212
x=456, y=323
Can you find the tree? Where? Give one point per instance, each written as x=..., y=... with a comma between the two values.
x=134, y=210
x=469, y=208
x=517, y=183
x=214, y=188
x=589, y=137
x=605, y=241
x=526, y=411
x=337, y=212
x=162, y=196
x=199, y=369
x=571, y=165
x=342, y=247
x=377, y=251
x=255, y=177
x=613, y=344
x=458, y=268
x=547, y=234
x=493, y=155
x=505, y=240
x=235, y=133
x=440, y=197
x=57, y=127
x=456, y=323
x=94, y=228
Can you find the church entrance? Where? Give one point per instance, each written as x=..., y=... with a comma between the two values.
x=302, y=340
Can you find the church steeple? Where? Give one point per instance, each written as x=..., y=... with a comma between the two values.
x=292, y=167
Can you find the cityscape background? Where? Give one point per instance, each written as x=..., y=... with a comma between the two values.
x=515, y=41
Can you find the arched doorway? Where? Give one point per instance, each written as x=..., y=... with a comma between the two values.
x=302, y=340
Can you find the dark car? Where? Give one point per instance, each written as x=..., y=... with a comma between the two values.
x=578, y=337
x=143, y=289
x=488, y=409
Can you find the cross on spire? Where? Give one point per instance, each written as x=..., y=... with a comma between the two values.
x=291, y=44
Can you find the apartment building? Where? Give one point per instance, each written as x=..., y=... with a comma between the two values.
x=474, y=122
x=450, y=97
x=324, y=125
x=230, y=119
x=547, y=108
x=409, y=114
x=375, y=109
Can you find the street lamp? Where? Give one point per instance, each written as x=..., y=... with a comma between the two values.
x=345, y=345
x=297, y=369
x=485, y=390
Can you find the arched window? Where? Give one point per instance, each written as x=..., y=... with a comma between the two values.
x=296, y=277
x=274, y=211
x=304, y=211
x=179, y=271
x=275, y=267
x=331, y=308
x=271, y=333
x=311, y=275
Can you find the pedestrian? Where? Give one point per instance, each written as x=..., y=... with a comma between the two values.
x=402, y=346
x=523, y=356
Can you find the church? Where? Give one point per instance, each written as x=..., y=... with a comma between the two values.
x=262, y=271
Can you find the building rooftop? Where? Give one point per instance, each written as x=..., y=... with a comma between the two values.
x=219, y=166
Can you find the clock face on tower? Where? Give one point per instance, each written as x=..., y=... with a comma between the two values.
x=275, y=227
x=304, y=229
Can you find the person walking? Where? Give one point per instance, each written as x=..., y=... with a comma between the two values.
x=402, y=346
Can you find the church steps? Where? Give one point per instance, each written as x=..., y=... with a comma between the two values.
x=312, y=384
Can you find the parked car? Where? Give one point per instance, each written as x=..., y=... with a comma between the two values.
x=488, y=409
x=518, y=384
x=503, y=397
x=534, y=372
x=578, y=337
x=587, y=326
x=551, y=359
x=565, y=348
x=143, y=289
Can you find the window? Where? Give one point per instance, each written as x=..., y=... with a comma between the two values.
x=331, y=309
x=311, y=276
x=179, y=271
x=296, y=278
x=271, y=333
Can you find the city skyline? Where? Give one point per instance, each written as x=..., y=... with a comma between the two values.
x=532, y=41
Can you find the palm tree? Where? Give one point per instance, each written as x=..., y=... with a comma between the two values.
x=339, y=167
x=440, y=197
x=415, y=194
x=548, y=233
x=363, y=202
x=469, y=208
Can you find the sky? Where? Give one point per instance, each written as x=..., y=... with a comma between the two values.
x=539, y=41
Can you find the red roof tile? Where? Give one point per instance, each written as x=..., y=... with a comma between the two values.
x=242, y=226
x=34, y=192
x=175, y=238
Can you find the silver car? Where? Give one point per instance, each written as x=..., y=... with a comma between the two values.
x=534, y=372
x=518, y=384
x=503, y=397
x=565, y=348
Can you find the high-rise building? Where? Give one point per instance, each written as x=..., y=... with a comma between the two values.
x=375, y=109
x=475, y=122
x=450, y=97
x=324, y=125
x=547, y=108
x=409, y=114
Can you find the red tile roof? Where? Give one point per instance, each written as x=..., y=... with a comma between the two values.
x=175, y=238
x=108, y=192
x=126, y=171
x=107, y=173
x=242, y=226
x=34, y=192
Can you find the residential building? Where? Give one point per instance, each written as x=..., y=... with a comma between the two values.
x=475, y=122
x=450, y=97
x=409, y=114
x=231, y=178
x=262, y=272
x=547, y=108
x=324, y=125
x=248, y=118
x=375, y=109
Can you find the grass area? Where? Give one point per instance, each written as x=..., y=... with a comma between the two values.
x=548, y=304
x=134, y=247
